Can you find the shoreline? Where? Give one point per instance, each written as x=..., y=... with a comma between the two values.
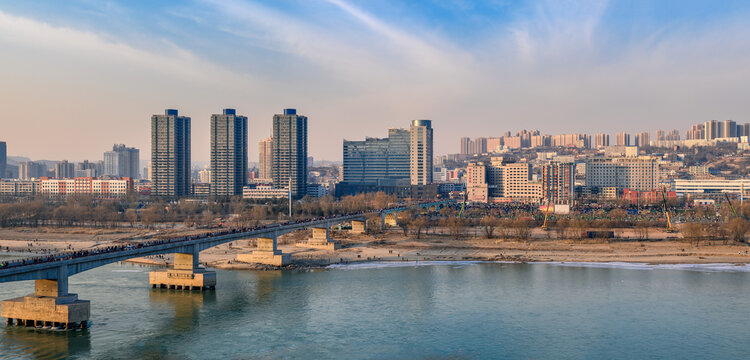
x=393, y=246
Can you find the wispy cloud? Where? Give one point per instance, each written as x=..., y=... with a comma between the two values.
x=164, y=56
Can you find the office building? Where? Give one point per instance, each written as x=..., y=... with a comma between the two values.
x=3, y=160
x=558, y=183
x=376, y=160
x=65, y=170
x=228, y=153
x=501, y=181
x=420, y=149
x=170, y=154
x=712, y=186
x=290, y=152
x=122, y=161
x=636, y=173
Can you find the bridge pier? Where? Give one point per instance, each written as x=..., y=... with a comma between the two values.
x=389, y=219
x=321, y=239
x=185, y=275
x=267, y=254
x=359, y=226
x=49, y=306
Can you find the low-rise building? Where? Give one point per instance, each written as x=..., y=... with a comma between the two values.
x=264, y=191
x=100, y=188
x=18, y=187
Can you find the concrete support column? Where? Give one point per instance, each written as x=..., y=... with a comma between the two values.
x=359, y=227
x=186, y=273
x=267, y=254
x=187, y=261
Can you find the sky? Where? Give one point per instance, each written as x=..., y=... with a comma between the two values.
x=77, y=76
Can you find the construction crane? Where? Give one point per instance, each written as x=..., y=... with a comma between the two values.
x=546, y=215
x=732, y=207
x=466, y=195
x=670, y=228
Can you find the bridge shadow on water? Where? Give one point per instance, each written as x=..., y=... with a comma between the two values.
x=44, y=344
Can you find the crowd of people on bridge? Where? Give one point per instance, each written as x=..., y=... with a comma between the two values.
x=68, y=255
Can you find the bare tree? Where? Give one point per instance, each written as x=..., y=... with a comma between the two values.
x=737, y=228
x=692, y=232
x=418, y=225
x=522, y=229
x=489, y=224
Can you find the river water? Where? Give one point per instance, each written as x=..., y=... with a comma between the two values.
x=459, y=310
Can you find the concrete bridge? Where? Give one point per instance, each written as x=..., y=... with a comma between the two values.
x=52, y=306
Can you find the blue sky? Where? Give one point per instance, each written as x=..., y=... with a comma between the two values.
x=98, y=69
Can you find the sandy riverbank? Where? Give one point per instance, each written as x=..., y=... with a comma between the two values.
x=393, y=246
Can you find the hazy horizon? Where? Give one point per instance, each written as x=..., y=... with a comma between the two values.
x=82, y=75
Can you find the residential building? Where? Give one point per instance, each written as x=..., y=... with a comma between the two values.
x=642, y=139
x=377, y=160
x=494, y=144
x=265, y=158
x=558, y=183
x=201, y=189
x=696, y=132
x=601, y=140
x=290, y=152
x=88, y=169
x=317, y=190
x=170, y=154
x=204, y=176
x=65, y=170
x=623, y=139
x=581, y=141
x=729, y=129
x=3, y=160
x=122, y=161
x=228, y=153
x=420, y=149
x=29, y=170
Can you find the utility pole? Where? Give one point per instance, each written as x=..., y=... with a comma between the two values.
x=289, y=195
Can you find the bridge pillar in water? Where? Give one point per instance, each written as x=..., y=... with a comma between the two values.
x=321, y=239
x=359, y=226
x=50, y=306
x=185, y=275
x=267, y=254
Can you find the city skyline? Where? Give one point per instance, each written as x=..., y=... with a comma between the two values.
x=553, y=66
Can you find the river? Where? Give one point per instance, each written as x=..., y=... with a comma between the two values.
x=461, y=310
